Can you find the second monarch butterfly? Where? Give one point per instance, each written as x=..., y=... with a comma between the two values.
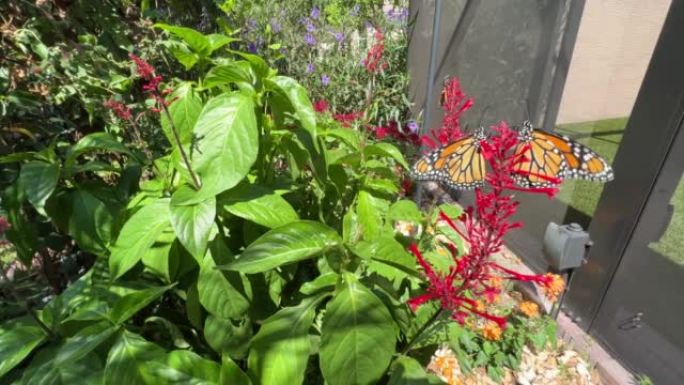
x=551, y=155
x=460, y=165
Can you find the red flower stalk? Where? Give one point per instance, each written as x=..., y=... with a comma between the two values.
x=483, y=227
x=454, y=103
x=392, y=130
x=347, y=119
x=145, y=69
x=119, y=109
x=321, y=106
x=373, y=61
x=4, y=225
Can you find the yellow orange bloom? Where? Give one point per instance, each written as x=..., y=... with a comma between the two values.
x=445, y=365
x=529, y=308
x=491, y=331
x=480, y=306
x=496, y=282
x=553, y=286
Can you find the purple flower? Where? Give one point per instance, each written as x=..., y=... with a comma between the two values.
x=275, y=26
x=315, y=13
x=310, y=68
x=412, y=127
x=355, y=10
x=310, y=39
x=251, y=24
x=339, y=36
x=252, y=47
x=325, y=79
x=310, y=27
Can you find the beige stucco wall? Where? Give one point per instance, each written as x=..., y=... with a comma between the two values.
x=614, y=45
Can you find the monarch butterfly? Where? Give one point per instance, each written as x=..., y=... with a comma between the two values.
x=556, y=156
x=460, y=165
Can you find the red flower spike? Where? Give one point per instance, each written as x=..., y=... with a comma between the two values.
x=455, y=104
x=483, y=226
x=320, y=106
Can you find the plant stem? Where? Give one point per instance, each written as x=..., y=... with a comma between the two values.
x=422, y=330
x=176, y=136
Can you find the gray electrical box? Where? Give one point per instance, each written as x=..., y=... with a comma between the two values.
x=565, y=246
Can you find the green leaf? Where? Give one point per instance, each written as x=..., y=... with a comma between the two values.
x=97, y=141
x=386, y=150
x=184, y=112
x=90, y=222
x=298, y=97
x=358, y=336
x=192, y=223
x=228, y=143
x=126, y=358
x=287, y=244
x=194, y=39
x=84, y=342
x=17, y=341
x=259, y=66
x=381, y=186
x=226, y=337
x=408, y=371
x=370, y=212
x=226, y=74
x=182, y=53
x=219, y=295
x=280, y=350
x=323, y=281
x=258, y=204
x=138, y=235
x=162, y=258
x=181, y=367
x=350, y=137
x=126, y=306
x=218, y=40
x=39, y=179
x=231, y=374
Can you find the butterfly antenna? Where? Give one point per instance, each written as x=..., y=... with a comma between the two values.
x=527, y=110
x=483, y=114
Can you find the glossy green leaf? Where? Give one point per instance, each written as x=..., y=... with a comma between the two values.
x=39, y=179
x=370, y=213
x=259, y=65
x=324, y=281
x=386, y=150
x=184, y=111
x=138, y=235
x=161, y=259
x=181, y=367
x=404, y=210
x=350, y=137
x=193, y=222
x=126, y=306
x=194, y=39
x=126, y=358
x=231, y=374
x=228, y=337
x=358, y=336
x=280, y=350
x=287, y=244
x=258, y=204
x=17, y=341
x=219, y=295
x=84, y=342
x=90, y=222
x=218, y=40
x=228, y=143
x=298, y=97
x=97, y=141
x=226, y=74
x=407, y=371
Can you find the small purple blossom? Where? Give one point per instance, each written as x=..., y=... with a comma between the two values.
x=315, y=13
x=310, y=27
x=310, y=68
x=339, y=36
x=310, y=39
x=412, y=127
x=252, y=24
x=252, y=47
x=397, y=14
x=355, y=10
x=325, y=79
x=275, y=26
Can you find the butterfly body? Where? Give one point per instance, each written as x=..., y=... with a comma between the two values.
x=544, y=158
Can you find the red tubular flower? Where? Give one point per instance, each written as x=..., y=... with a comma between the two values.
x=347, y=119
x=373, y=61
x=392, y=130
x=320, y=106
x=474, y=275
x=454, y=104
x=145, y=69
x=119, y=109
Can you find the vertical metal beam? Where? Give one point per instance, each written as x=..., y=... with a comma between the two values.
x=432, y=69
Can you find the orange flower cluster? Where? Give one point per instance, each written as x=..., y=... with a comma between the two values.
x=552, y=286
x=491, y=331
x=529, y=308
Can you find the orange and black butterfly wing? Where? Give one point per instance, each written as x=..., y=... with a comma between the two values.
x=542, y=163
x=582, y=162
x=459, y=165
